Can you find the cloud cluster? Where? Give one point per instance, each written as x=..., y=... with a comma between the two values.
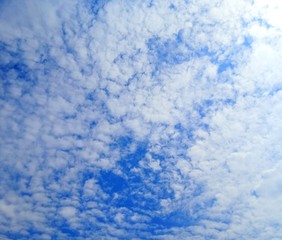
x=140, y=120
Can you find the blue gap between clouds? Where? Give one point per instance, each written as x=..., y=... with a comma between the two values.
x=168, y=51
x=96, y=5
x=206, y=106
x=225, y=65
x=64, y=227
x=133, y=188
x=176, y=50
x=112, y=183
x=21, y=69
x=24, y=76
x=179, y=218
x=172, y=7
x=228, y=63
x=275, y=89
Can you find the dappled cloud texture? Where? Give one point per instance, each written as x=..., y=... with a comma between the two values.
x=140, y=119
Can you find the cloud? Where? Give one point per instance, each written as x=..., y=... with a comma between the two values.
x=140, y=120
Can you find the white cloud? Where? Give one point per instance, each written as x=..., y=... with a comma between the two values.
x=68, y=212
x=74, y=84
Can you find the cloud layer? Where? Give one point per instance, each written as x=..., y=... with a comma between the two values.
x=140, y=120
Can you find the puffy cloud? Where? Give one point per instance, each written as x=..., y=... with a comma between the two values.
x=140, y=120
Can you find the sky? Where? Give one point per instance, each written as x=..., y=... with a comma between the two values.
x=141, y=119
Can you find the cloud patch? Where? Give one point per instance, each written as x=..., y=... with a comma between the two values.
x=140, y=120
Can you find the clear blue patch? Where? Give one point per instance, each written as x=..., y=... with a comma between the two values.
x=138, y=191
x=62, y=226
x=275, y=90
x=227, y=64
x=180, y=36
x=12, y=235
x=254, y=193
x=204, y=51
x=10, y=176
x=90, y=96
x=184, y=132
x=68, y=230
x=178, y=218
x=150, y=3
x=157, y=156
x=86, y=175
x=201, y=206
x=203, y=108
x=173, y=51
x=124, y=142
x=144, y=191
x=172, y=7
x=248, y=40
x=258, y=92
x=23, y=77
x=204, y=126
x=120, y=57
x=229, y=101
x=77, y=136
x=112, y=183
x=169, y=51
x=96, y=5
x=92, y=124
x=210, y=202
x=131, y=160
x=262, y=22
x=198, y=190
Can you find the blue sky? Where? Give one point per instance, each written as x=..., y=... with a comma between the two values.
x=140, y=119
